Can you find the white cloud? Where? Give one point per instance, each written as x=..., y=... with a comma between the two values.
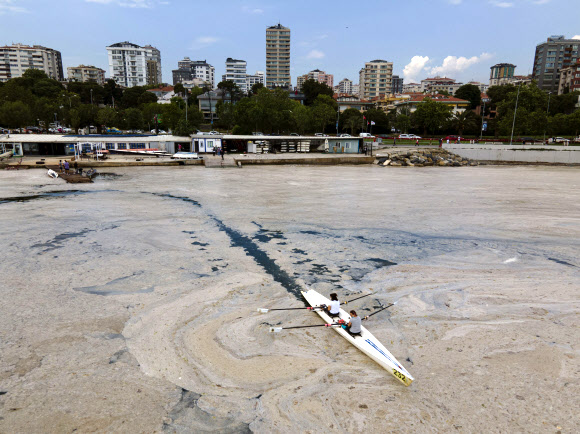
x=576, y=37
x=252, y=11
x=453, y=64
x=414, y=68
x=315, y=54
x=203, y=42
x=7, y=6
x=500, y=4
x=541, y=2
x=455, y=2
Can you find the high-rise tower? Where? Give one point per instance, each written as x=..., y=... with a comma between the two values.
x=278, y=57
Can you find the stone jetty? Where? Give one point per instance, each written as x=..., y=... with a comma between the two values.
x=423, y=157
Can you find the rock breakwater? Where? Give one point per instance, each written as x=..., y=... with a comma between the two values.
x=424, y=157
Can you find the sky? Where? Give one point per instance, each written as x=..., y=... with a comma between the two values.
x=460, y=39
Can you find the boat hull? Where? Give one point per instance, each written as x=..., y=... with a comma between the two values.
x=367, y=342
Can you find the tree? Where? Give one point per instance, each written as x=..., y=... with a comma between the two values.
x=112, y=94
x=312, y=89
x=403, y=122
x=195, y=92
x=178, y=89
x=302, y=117
x=323, y=111
x=351, y=119
x=15, y=114
x=380, y=119
x=230, y=88
x=255, y=88
x=133, y=119
x=430, y=115
x=226, y=114
x=107, y=116
x=465, y=120
x=471, y=93
x=136, y=96
x=499, y=94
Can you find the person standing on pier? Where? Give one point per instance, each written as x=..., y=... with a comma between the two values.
x=66, y=167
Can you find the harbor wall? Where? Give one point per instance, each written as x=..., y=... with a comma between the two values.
x=517, y=153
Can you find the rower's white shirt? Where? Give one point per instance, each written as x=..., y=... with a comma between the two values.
x=334, y=306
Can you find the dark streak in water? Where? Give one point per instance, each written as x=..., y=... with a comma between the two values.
x=381, y=262
x=559, y=261
x=261, y=257
x=56, y=242
x=47, y=195
x=238, y=239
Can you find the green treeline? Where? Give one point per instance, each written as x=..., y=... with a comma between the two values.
x=36, y=100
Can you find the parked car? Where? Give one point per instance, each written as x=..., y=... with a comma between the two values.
x=527, y=139
x=294, y=134
x=345, y=135
x=561, y=140
x=257, y=134
x=453, y=138
x=321, y=135
x=213, y=133
x=408, y=136
x=365, y=135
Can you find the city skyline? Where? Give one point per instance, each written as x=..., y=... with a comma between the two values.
x=436, y=38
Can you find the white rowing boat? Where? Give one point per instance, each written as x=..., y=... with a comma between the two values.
x=366, y=342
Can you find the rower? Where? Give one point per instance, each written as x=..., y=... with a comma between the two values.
x=333, y=310
x=354, y=324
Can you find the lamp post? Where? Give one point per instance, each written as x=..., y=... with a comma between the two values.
x=482, y=115
x=91, y=96
x=547, y=114
x=515, y=111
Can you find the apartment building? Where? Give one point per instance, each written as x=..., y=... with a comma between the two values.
x=482, y=86
x=551, y=57
x=316, y=75
x=278, y=57
x=132, y=65
x=197, y=72
x=412, y=88
x=397, y=86
x=258, y=77
x=85, y=73
x=436, y=85
x=501, y=73
x=17, y=58
x=569, y=79
x=376, y=79
x=345, y=86
x=236, y=72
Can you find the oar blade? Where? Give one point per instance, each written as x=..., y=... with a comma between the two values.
x=262, y=310
x=275, y=329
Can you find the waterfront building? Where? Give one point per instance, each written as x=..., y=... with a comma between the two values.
x=258, y=77
x=17, y=58
x=397, y=86
x=409, y=105
x=436, y=85
x=482, y=86
x=375, y=79
x=356, y=89
x=550, y=58
x=278, y=57
x=501, y=73
x=83, y=73
x=345, y=86
x=412, y=88
x=352, y=101
x=132, y=65
x=236, y=72
x=316, y=75
x=163, y=94
x=194, y=71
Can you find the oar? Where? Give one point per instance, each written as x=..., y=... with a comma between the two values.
x=380, y=310
x=279, y=329
x=358, y=298
x=262, y=310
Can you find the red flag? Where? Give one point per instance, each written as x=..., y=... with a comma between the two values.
x=364, y=117
x=367, y=124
